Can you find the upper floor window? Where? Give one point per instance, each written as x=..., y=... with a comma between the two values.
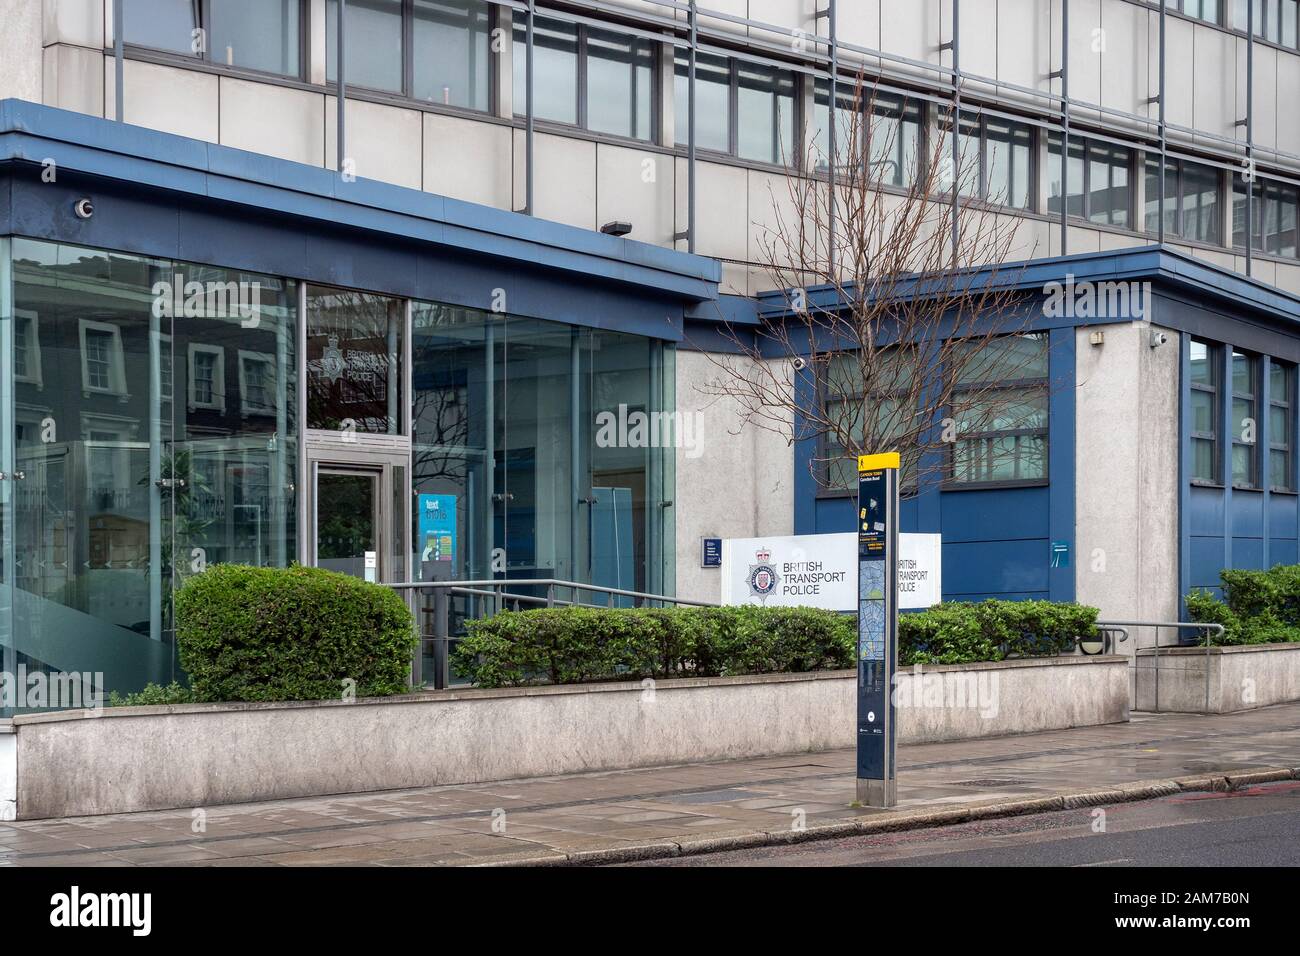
x=452, y=62
x=1208, y=10
x=1099, y=177
x=1274, y=20
x=1191, y=201
x=888, y=126
x=1281, y=424
x=1204, y=381
x=994, y=163
x=582, y=76
x=1000, y=406
x=374, y=45
x=1273, y=216
x=251, y=34
x=742, y=108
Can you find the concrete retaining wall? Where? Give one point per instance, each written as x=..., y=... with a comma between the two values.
x=1240, y=678
x=144, y=758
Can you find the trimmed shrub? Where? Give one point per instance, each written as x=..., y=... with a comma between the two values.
x=262, y=634
x=965, y=633
x=571, y=645
x=151, y=693
x=1258, y=607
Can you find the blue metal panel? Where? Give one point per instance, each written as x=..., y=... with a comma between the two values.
x=1204, y=512
x=1248, y=553
x=1247, y=513
x=1206, y=556
x=1281, y=520
x=1283, y=551
x=994, y=567
x=1061, y=463
x=1003, y=514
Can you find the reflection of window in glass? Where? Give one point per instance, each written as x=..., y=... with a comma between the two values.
x=1000, y=405
x=555, y=69
x=207, y=376
x=256, y=383
x=1281, y=424
x=101, y=357
x=165, y=381
x=160, y=24
x=765, y=114
x=1099, y=180
x=1245, y=424
x=1204, y=375
x=451, y=57
x=1191, y=200
x=27, y=348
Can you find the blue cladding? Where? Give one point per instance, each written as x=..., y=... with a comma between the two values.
x=1247, y=513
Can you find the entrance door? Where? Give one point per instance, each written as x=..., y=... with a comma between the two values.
x=358, y=513
x=347, y=526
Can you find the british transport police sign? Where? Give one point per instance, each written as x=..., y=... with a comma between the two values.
x=877, y=627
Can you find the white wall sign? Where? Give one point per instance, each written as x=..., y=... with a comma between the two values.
x=821, y=570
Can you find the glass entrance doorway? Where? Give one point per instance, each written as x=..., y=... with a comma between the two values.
x=357, y=510
x=347, y=522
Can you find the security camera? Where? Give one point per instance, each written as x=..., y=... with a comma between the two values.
x=1158, y=338
x=799, y=363
x=84, y=208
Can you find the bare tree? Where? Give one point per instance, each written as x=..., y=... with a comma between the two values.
x=894, y=342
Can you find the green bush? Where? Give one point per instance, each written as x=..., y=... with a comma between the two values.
x=1258, y=607
x=576, y=644
x=965, y=633
x=151, y=693
x=259, y=634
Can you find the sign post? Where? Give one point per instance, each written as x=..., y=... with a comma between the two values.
x=877, y=627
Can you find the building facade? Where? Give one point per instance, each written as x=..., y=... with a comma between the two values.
x=465, y=323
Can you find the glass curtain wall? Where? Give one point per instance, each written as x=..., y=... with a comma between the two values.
x=540, y=450
x=150, y=431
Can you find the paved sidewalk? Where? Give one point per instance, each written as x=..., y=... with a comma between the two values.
x=604, y=817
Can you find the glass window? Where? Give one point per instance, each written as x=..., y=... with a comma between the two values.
x=1245, y=423
x=1291, y=24
x=354, y=361
x=1099, y=180
x=141, y=476
x=892, y=132
x=620, y=84
x=555, y=69
x=162, y=25
x=712, y=101
x=1281, y=425
x=1273, y=216
x=864, y=416
x=994, y=161
x=1207, y=10
x=1191, y=200
x=255, y=34
x=262, y=35
x=374, y=44
x=765, y=114
x=451, y=57
x=1000, y=405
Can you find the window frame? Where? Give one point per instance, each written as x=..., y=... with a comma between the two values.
x=1088, y=144
x=1213, y=361
x=1262, y=193
x=1288, y=403
x=582, y=112
x=733, y=111
x=873, y=112
x=32, y=349
x=908, y=483
x=950, y=481
x=246, y=406
x=1177, y=168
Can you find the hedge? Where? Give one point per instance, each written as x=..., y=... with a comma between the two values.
x=298, y=633
x=578, y=645
x=965, y=633
x=1258, y=607
x=571, y=645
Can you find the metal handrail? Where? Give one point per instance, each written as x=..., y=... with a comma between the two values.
x=495, y=589
x=1210, y=630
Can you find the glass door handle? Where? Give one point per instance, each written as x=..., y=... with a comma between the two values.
x=503, y=496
